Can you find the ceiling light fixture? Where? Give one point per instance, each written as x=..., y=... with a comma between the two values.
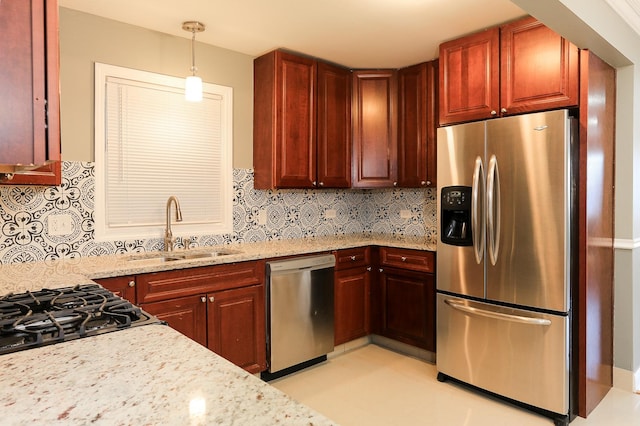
x=193, y=83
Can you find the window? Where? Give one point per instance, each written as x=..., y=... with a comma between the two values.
x=150, y=144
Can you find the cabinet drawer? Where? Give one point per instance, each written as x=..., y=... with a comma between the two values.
x=415, y=260
x=352, y=258
x=186, y=282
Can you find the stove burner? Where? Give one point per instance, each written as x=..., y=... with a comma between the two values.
x=49, y=316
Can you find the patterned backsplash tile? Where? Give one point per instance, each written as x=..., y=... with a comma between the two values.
x=26, y=213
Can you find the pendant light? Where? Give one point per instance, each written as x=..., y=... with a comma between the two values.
x=193, y=83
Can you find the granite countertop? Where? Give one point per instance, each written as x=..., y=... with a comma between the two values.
x=16, y=278
x=127, y=377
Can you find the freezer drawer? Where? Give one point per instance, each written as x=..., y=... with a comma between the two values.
x=515, y=353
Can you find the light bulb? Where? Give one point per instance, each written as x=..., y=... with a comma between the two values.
x=193, y=88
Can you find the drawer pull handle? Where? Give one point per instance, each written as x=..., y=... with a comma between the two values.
x=497, y=315
x=353, y=258
x=403, y=258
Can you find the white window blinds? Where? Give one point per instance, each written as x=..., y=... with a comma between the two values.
x=156, y=144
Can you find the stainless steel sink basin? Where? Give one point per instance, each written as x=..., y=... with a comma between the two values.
x=184, y=255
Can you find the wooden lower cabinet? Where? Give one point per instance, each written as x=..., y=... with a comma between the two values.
x=352, y=287
x=236, y=326
x=124, y=286
x=221, y=307
x=408, y=307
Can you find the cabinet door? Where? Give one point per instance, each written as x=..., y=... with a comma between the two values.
x=417, y=125
x=284, y=121
x=469, y=77
x=351, y=304
x=124, y=286
x=29, y=111
x=408, y=305
x=374, y=121
x=539, y=68
x=334, y=126
x=236, y=326
x=188, y=315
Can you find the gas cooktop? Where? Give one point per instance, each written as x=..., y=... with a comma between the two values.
x=48, y=316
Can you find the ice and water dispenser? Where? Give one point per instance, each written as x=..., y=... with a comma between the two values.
x=455, y=215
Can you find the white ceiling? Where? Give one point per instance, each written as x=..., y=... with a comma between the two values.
x=354, y=33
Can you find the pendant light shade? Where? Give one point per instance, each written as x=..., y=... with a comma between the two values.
x=193, y=83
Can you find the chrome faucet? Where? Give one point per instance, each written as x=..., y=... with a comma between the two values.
x=168, y=235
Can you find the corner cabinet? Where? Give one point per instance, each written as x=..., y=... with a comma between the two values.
x=124, y=286
x=520, y=67
x=301, y=123
x=374, y=123
x=29, y=83
x=407, y=296
x=221, y=307
x=417, y=115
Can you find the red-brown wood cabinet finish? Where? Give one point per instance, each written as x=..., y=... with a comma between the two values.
x=374, y=124
x=352, y=294
x=284, y=123
x=333, y=127
x=221, y=307
x=417, y=115
x=469, y=81
x=538, y=68
x=302, y=136
x=29, y=83
x=407, y=291
x=519, y=67
x=124, y=286
x=594, y=335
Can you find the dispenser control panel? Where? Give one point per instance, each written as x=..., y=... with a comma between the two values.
x=455, y=216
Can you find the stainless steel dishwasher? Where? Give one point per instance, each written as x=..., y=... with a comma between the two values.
x=299, y=313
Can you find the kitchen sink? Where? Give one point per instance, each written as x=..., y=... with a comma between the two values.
x=183, y=255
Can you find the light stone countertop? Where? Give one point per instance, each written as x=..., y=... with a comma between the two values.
x=16, y=278
x=146, y=375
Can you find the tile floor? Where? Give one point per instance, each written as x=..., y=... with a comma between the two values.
x=373, y=386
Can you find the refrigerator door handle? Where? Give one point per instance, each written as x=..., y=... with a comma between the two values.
x=497, y=315
x=477, y=222
x=493, y=209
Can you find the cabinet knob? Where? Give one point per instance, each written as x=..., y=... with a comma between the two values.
x=211, y=299
x=321, y=184
x=503, y=110
x=369, y=269
x=381, y=270
x=403, y=258
x=428, y=182
x=353, y=258
x=314, y=183
x=423, y=183
x=203, y=299
x=132, y=283
x=493, y=112
x=395, y=183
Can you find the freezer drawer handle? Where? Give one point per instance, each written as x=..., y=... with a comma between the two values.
x=497, y=315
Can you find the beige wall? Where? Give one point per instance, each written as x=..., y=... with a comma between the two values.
x=85, y=39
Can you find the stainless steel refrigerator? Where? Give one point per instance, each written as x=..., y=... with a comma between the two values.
x=506, y=203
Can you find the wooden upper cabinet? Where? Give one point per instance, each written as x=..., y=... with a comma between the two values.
x=519, y=67
x=284, y=121
x=374, y=122
x=334, y=126
x=301, y=123
x=538, y=68
x=469, y=77
x=417, y=125
x=29, y=83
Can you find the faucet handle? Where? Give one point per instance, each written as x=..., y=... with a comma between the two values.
x=186, y=242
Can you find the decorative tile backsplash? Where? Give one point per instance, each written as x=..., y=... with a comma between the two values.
x=28, y=216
